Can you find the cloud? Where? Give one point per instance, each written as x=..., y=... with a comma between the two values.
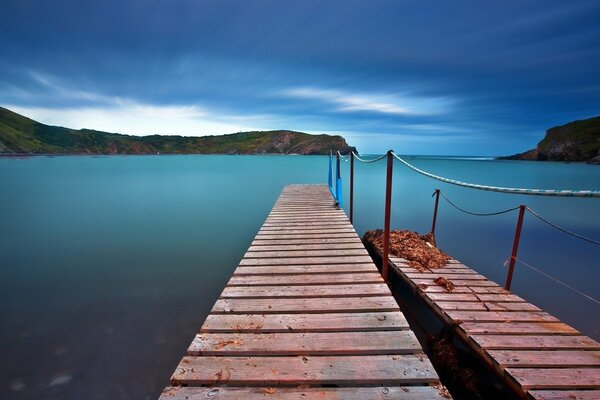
x=395, y=104
x=133, y=118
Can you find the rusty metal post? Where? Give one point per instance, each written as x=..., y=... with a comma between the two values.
x=513, y=257
x=351, y=185
x=435, y=210
x=388, y=212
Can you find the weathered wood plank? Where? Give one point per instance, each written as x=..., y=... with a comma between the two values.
x=305, y=269
x=533, y=342
x=325, y=224
x=474, y=297
x=350, y=239
x=518, y=328
x=556, y=378
x=465, y=289
x=313, y=370
x=332, y=322
x=307, y=253
x=501, y=316
x=296, y=247
x=546, y=358
x=313, y=305
x=283, y=393
x=312, y=343
x=371, y=289
x=426, y=275
x=456, y=282
x=485, y=306
x=306, y=260
x=304, y=279
x=329, y=236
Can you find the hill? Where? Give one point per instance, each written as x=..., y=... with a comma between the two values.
x=575, y=141
x=21, y=135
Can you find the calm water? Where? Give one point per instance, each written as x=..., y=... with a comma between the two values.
x=110, y=264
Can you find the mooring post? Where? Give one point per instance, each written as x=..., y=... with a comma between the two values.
x=513, y=257
x=388, y=212
x=351, y=185
x=435, y=210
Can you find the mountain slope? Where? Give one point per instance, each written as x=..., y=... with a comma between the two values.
x=21, y=135
x=575, y=141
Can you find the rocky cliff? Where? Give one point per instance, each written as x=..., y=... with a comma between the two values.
x=575, y=141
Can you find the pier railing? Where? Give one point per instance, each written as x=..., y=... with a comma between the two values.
x=390, y=156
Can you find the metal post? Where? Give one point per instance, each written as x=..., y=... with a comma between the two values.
x=330, y=180
x=513, y=257
x=351, y=185
x=388, y=211
x=435, y=209
x=338, y=181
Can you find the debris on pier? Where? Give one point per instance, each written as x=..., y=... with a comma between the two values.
x=419, y=250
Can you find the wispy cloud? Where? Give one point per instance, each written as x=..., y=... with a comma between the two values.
x=397, y=104
x=136, y=119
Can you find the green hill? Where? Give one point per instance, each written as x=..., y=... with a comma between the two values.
x=21, y=135
x=575, y=141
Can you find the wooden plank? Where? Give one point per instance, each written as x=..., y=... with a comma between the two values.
x=556, y=378
x=283, y=393
x=313, y=370
x=329, y=236
x=312, y=343
x=456, y=282
x=351, y=239
x=565, y=394
x=463, y=277
x=304, y=279
x=305, y=232
x=305, y=269
x=532, y=342
x=474, y=297
x=325, y=291
x=518, y=328
x=296, y=247
x=485, y=306
x=313, y=305
x=307, y=253
x=465, y=289
x=325, y=224
x=306, y=260
x=501, y=316
x=546, y=358
x=332, y=322
x=313, y=228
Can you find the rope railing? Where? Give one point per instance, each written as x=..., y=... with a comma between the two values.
x=560, y=228
x=533, y=192
x=390, y=155
x=477, y=214
x=368, y=161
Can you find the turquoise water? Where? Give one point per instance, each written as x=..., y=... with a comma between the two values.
x=110, y=264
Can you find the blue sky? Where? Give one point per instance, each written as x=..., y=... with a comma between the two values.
x=422, y=77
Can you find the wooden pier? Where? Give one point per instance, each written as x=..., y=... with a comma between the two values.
x=305, y=315
x=538, y=356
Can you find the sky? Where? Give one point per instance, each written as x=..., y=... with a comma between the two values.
x=420, y=77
